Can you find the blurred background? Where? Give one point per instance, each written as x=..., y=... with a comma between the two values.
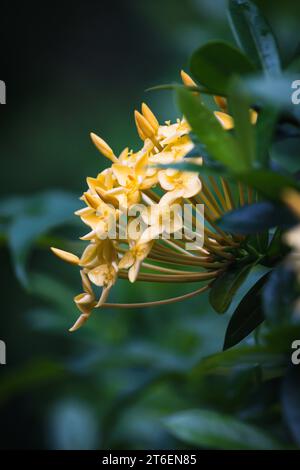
x=71, y=68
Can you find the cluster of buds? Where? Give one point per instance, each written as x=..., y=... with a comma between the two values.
x=142, y=179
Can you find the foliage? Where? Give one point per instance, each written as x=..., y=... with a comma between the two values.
x=190, y=378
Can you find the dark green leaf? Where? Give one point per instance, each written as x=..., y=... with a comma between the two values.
x=275, y=246
x=256, y=218
x=208, y=429
x=247, y=316
x=268, y=183
x=278, y=338
x=239, y=107
x=253, y=34
x=264, y=128
x=215, y=63
x=279, y=294
x=271, y=90
x=226, y=285
x=291, y=401
x=217, y=141
x=173, y=86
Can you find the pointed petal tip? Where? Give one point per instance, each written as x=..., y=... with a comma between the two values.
x=186, y=79
x=65, y=255
x=79, y=322
x=103, y=147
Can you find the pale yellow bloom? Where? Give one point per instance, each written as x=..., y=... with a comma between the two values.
x=101, y=217
x=134, y=177
x=133, y=180
x=292, y=236
x=85, y=302
x=174, y=180
x=164, y=217
x=134, y=257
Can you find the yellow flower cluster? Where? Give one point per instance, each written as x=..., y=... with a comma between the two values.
x=292, y=236
x=133, y=178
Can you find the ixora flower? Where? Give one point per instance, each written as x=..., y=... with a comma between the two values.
x=155, y=254
x=292, y=236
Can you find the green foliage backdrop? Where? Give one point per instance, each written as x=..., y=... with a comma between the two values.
x=181, y=376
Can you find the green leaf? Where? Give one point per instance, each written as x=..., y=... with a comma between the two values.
x=275, y=247
x=247, y=316
x=264, y=129
x=239, y=107
x=225, y=286
x=208, y=429
x=291, y=401
x=272, y=90
x=215, y=63
x=174, y=86
x=219, y=143
x=268, y=183
x=280, y=294
x=41, y=213
x=257, y=217
x=278, y=338
x=253, y=34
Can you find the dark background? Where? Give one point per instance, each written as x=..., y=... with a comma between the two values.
x=71, y=68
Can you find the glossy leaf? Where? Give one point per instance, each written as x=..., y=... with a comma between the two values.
x=215, y=63
x=272, y=90
x=253, y=34
x=257, y=217
x=219, y=143
x=226, y=285
x=247, y=316
x=264, y=129
x=279, y=294
x=275, y=247
x=269, y=184
x=239, y=107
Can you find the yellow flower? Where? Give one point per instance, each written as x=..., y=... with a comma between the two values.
x=101, y=217
x=133, y=180
x=85, y=302
x=223, y=117
x=104, y=275
x=134, y=257
x=292, y=236
x=164, y=217
x=155, y=254
x=175, y=180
